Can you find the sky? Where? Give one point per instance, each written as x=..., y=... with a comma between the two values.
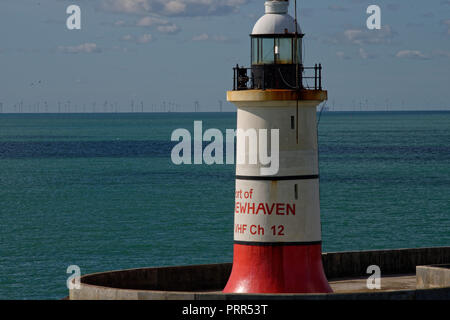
x=133, y=54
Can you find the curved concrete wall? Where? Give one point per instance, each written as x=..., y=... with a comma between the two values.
x=206, y=281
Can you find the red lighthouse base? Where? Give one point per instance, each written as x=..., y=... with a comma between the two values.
x=277, y=269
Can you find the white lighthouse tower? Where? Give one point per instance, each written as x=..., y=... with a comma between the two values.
x=277, y=231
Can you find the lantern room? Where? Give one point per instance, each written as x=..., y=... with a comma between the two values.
x=276, y=49
x=276, y=55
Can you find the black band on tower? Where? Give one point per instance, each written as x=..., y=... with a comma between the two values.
x=272, y=178
x=256, y=243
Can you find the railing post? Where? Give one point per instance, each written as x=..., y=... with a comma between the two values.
x=315, y=76
x=300, y=77
x=264, y=77
x=235, y=77
x=320, y=76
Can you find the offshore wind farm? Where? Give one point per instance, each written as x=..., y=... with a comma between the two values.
x=140, y=106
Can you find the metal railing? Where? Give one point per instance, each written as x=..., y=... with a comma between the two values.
x=317, y=77
x=242, y=80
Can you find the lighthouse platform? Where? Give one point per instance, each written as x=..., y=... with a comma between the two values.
x=406, y=274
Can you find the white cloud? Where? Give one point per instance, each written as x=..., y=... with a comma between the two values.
x=145, y=38
x=127, y=37
x=120, y=23
x=220, y=38
x=126, y=6
x=151, y=21
x=201, y=37
x=82, y=48
x=207, y=37
x=169, y=29
x=363, y=53
x=364, y=36
x=366, y=55
x=411, y=54
x=162, y=25
x=142, y=39
x=173, y=7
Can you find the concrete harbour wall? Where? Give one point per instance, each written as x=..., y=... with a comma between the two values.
x=206, y=281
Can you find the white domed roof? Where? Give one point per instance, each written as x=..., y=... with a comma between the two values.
x=272, y=23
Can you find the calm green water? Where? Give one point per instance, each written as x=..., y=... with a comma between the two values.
x=99, y=191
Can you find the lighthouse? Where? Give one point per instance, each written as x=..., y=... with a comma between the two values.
x=277, y=229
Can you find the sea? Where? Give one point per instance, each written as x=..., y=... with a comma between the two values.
x=100, y=191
